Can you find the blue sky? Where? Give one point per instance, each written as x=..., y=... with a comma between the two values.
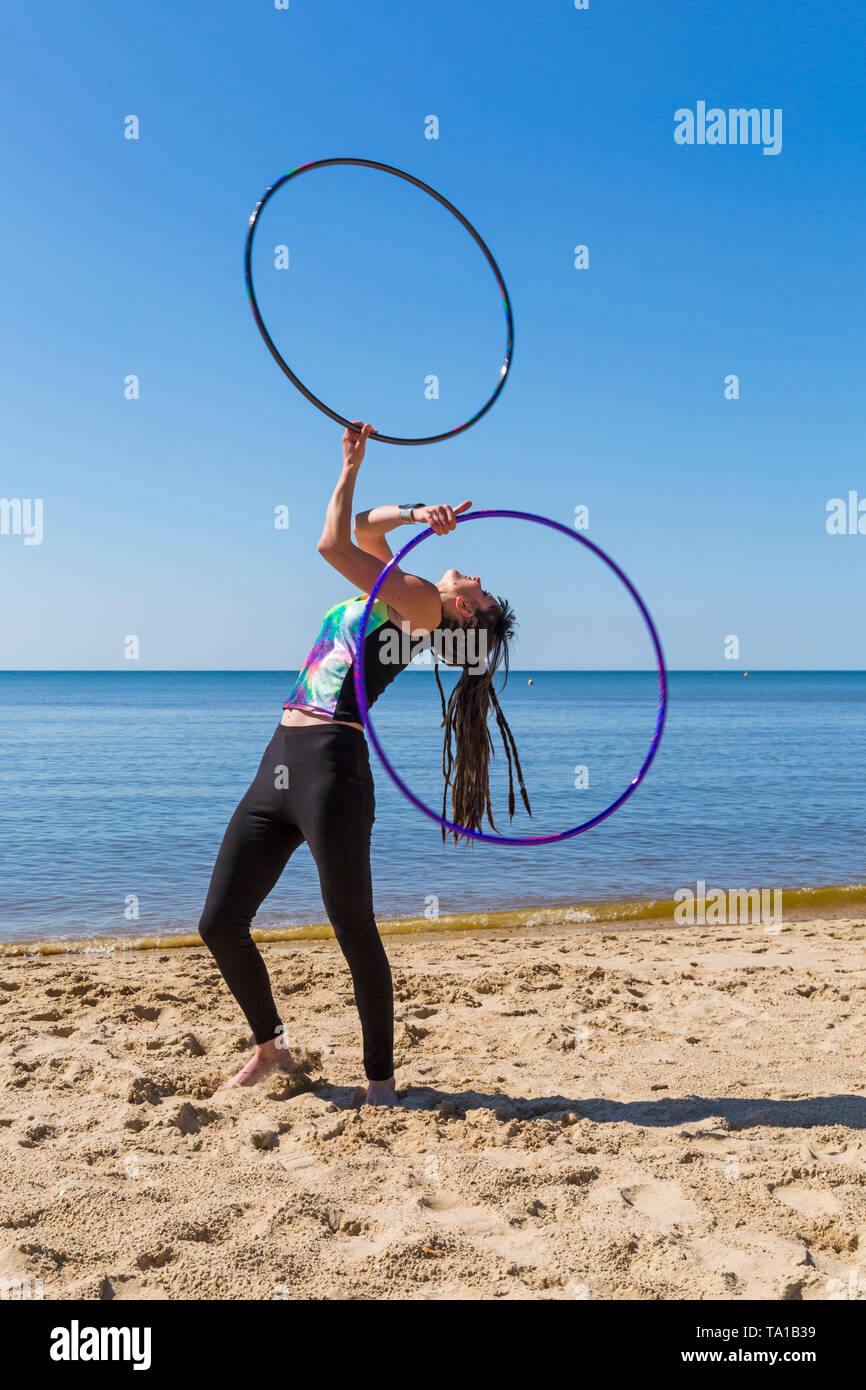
x=555, y=129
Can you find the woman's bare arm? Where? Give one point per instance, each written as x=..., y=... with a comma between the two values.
x=416, y=599
x=371, y=527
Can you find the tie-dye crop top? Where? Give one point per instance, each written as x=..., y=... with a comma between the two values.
x=326, y=684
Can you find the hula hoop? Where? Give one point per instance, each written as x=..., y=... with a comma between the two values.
x=284, y=366
x=364, y=708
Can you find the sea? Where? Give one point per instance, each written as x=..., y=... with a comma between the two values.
x=116, y=787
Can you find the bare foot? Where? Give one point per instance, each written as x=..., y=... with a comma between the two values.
x=380, y=1093
x=266, y=1058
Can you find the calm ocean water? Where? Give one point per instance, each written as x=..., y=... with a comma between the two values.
x=115, y=789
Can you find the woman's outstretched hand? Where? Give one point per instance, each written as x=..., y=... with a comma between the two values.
x=355, y=443
x=440, y=518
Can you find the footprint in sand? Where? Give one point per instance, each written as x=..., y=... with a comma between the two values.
x=122, y=1287
x=661, y=1202
x=485, y=1229
x=452, y=1210
x=808, y=1201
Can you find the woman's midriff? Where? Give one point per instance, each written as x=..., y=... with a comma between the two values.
x=298, y=718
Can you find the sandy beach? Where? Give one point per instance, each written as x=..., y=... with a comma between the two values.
x=661, y=1113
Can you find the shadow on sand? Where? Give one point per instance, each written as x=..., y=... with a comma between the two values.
x=741, y=1112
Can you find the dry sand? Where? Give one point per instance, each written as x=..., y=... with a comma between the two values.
x=657, y=1113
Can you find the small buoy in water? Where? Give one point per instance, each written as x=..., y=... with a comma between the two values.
x=745, y=673
x=529, y=682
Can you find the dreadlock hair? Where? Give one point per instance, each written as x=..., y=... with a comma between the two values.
x=466, y=764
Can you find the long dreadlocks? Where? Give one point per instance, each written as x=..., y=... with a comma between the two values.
x=468, y=744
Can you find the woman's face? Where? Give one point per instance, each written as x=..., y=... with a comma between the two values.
x=465, y=592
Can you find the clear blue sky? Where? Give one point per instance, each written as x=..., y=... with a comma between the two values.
x=556, y=128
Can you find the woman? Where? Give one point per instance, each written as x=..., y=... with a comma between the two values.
x=314, y=781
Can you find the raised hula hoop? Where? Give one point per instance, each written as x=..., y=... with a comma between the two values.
x=364, y=708
x=283, y=364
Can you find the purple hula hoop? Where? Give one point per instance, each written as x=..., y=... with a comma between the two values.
x=364, y=708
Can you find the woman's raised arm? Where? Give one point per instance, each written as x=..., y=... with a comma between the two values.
x=415, y=599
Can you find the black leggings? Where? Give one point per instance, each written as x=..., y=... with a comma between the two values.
x=314, y=783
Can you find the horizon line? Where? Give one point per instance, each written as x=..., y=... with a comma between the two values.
x=421, y=670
